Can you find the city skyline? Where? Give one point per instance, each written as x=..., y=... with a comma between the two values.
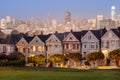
x=25, y=9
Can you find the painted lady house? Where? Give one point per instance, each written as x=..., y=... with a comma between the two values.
x=54, y=43
x=91, y=41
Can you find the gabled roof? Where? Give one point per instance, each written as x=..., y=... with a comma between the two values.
x=11, y=39
x=61, y=36
x=99, y=33
x=117, y=32
x=44, y=37
x=79, y=35
x=14, y=38
x=27, y=38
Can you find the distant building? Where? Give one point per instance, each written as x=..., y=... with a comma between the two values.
x=113, y=13
x=67, y=17
x=99, y=18
x=107, y=23
x=3, y=23
x=92, y=23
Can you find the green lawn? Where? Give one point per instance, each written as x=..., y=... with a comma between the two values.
x=36, y=73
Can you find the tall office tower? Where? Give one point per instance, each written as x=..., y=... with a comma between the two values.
x=113, y=13
x=99, y=18
x=8, y=19
x=54, y=24
x=3, y=24
x=67, y=17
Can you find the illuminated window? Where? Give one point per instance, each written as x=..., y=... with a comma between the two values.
x=34, y=48
x=40, y=48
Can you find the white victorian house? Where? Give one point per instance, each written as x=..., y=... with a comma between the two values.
x=110, y=41
x=54, y=44
x=91, y=41
x=37, y=46
x=8, y=45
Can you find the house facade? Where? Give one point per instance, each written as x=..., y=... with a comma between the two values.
x=37, y=46
x=31, y=46
x=90, y=43
x=71, y=43
x=110, y=41
x=23, y=45
x=54, y=45
x=7, y=45
x=7, y=48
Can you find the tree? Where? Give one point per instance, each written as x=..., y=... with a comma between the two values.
x=16, y=58
x=56, y=58
x=115, y=55
x=75, y=57
x=94, y=57
x=3, y=56
x=38, y=59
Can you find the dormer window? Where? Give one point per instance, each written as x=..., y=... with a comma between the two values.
x=70, y=38
x=89, y=37
x=22, y=42
x=36, y=41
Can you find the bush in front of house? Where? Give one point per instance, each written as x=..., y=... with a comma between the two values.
x=37, y=60
x=13, y=59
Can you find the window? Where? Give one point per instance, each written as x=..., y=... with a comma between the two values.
x=4, y=49
x=22, y=42
x=74, y=46
x=89, y=37
x=102, y=44
x=56, y=47
x=77, y=46
x=67, y=46
x=85, y=46
x=34, y=48
x=36, y=41
x=40, y=48
x=92, y=46
x=96, y=46
x=113, y=42
x=24, y=50
x=107, y=44
x=70, y=38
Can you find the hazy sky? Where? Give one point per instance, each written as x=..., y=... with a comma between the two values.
x=24, y=9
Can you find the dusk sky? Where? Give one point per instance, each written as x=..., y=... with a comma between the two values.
x=24, y=9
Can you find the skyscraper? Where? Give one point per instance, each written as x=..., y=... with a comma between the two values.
x=67, y=17
x=113, y=13
x=99, y=18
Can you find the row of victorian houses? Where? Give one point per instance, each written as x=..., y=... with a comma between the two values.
x=63, y=43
